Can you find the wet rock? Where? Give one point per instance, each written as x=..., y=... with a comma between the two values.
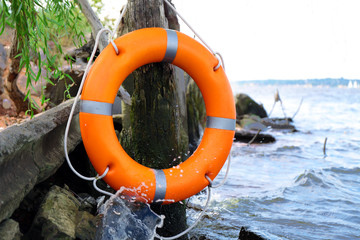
x=246, y=234
x=279, y=123
x=86, y=226
x=252, y=130
x=251, y=123
x=28, y=208
x=87, y=202
x=9, y=230
x=31, y=152
x=122, y=219
x=245, y=136
x=56, y=218
x=246, y=105
x=199, y=238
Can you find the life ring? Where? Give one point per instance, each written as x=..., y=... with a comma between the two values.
x=102, y=146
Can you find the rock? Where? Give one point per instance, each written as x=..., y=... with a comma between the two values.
x=87, y=202
x=246, y=105
x=83, y=52
x=251, y=123
x=199, y=238
x=56, y=218
x=86, y=226
x=245, y=136
x=246, y=234
x=57, y=93
x=31, y=152
x=9, y=230
x=6, y=103
x=30, y=205
x=279, y=123
x=251, y=126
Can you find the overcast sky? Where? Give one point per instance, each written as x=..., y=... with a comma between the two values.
x=279, y=39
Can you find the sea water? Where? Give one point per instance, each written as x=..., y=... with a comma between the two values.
x=290, y=189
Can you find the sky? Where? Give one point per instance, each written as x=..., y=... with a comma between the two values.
x=277, y=39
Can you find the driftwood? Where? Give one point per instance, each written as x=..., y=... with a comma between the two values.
x=94, y=22
x=85, y=51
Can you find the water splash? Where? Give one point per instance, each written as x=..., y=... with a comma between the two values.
x=123, y=218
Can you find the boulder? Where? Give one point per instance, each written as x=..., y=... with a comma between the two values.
x=56, y=218
x=56, y=92
x=85, y=226
x=245, y=136
x=251, y=123
x=246, y=234
x=9, y=230
x=32, y=151
x=279, y=124
x=246, y=105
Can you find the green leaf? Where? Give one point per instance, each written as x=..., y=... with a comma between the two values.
x=27, y=95
x=55, y=22
x=69, y=77
x=39, y=66
x=49, y=81
x=19, y=9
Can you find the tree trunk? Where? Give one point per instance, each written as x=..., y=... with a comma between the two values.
x=11, y=82
x=155, y=127
x=3, y=59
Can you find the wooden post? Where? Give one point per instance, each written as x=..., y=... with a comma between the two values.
x=155, y=125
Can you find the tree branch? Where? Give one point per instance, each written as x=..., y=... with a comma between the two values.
x=96, y=26
x=94, y=22
x=11, y=80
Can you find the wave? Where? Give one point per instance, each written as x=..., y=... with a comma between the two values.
x=312, y=178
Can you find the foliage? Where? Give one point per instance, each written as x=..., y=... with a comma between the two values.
x=42, y=26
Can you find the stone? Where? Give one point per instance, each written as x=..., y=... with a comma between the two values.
x=9, y=230
x=279, y=124
x=246, y=234
x=6, y=103
x=85, y=226
x=252, y=123
x=56, y=218
x=87, y=202
x=245, y=136
x=56, y=92
x=31, y=152
x=246, y=105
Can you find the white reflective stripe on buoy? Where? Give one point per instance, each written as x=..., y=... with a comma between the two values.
x=172, y=46
x=100, y=108
x=221, y=123
x=160, y=189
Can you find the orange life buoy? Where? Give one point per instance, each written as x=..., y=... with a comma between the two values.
x=102, y=146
